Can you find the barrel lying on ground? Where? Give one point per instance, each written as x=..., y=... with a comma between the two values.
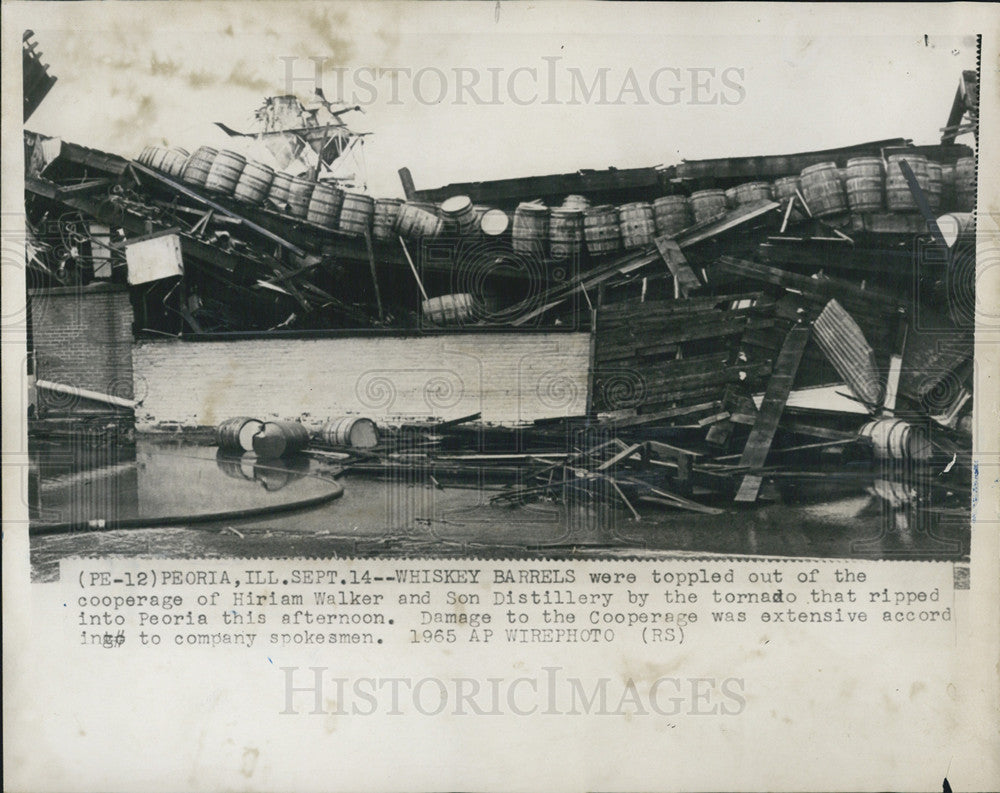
x=355, y=431
x=278, y=438
x=236, y=434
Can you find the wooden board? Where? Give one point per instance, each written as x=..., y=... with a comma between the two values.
x=779, y=386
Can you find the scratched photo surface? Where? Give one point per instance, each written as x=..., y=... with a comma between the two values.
x=357, y=284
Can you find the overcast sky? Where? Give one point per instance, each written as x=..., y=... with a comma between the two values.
x=678, y=81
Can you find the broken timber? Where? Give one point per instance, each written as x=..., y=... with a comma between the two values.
x=779, y=386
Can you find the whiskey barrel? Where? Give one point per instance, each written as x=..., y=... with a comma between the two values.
x=731, y=200
x=637, y=225
x=384, y=219
x=236, y=434
x=459, y=215
x=917, y=163
x=143, y=158
x=254, y=182
x=494, y=223
x=278, y=438
x=895, y=439
x=531, y=228
x=965, y=184
x=749, y=192
x=601, y=230
x=277, y=193
x=565, y=232
x=785, y=187
x=174, y=162
x=157, y=156
x=300, y=194
x=671, y=214
x=417, y=220
x=823, y=190
x=448, y=309
x=356, y=431
x=325, y=202
x=198, y=166
x=356, y=214
x=865, y=185
x=225, y=172
x=935, y=186
x=708, y=204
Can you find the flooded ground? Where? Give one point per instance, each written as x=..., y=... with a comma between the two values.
x=418, y=515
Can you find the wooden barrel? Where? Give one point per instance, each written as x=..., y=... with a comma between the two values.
x=730, y=195
x=143, y=158
x=356, y=214
x=917, y=163
x=384, y=219
x=865, y=194
x=254, y=183
x=198, y=166
x=823, y=190
x=865, y=184
x=236, y=434
x=785, y=187
x=637, y=225
x=278, y=438
x=898, y=197
x=965, y=184
x=601, y=230
x=157, y=156
x=459, y=215
x=895, y=439
x=494, y=223
x=864, y=166
x=277, y=193
x=356, y=431
x=322, y=212
x=577, y=202
x=565, y=232
x=935, y=185
x=416, y=221
x=749, y=192
x=448, y=309
x=225, y=172
x=174, y=162
x=708, y=204
x=531, y=228
x=671, y=214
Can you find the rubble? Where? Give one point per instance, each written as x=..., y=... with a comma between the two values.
x=782, y=278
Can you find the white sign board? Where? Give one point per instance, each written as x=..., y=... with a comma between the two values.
x=153, y=259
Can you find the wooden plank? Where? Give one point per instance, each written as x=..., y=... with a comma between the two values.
x=779, y=386
x=671, y=252
x=622, y=455
x=727, y=222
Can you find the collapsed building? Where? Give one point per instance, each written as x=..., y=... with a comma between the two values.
x=656, y=334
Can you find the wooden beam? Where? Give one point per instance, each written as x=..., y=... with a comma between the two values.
x=683, y=275
x=778, y=387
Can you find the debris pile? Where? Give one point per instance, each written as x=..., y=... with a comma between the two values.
x=761, y=320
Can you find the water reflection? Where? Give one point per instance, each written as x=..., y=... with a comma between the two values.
x=859, y=512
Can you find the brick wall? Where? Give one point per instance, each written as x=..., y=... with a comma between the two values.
x=82, y=336
x=508, y=377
